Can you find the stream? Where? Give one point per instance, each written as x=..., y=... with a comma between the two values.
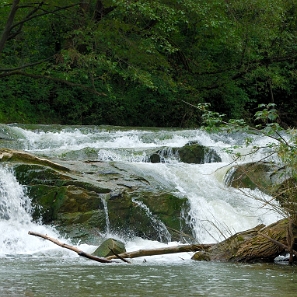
x=30, y=266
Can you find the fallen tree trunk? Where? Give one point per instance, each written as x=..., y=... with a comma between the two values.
x=162, y=251
x=72, y=248
x=260, y=244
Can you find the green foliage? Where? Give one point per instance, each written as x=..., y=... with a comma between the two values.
x=110, y=61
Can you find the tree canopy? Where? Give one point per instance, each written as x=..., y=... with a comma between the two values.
x=137, y=62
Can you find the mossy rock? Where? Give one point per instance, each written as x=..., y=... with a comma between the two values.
x=70, y=200
x=127, y=219
x=104, y=250
x=265, y=176
x=198, y=154
x=50, y=201
x=31, y=174
x=169, y=209
x=190, y=153
x=165, y=210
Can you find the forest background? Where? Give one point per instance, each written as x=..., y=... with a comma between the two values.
x=144, y=62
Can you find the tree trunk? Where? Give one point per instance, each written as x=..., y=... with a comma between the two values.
x=260, y=244
x=162, y=251
x=9, y=22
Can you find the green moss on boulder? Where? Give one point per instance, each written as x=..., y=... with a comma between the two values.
x=198, y=154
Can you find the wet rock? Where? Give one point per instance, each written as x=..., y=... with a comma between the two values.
x=265, y=176
x=201, y=256
x=80, y=204
x=109, y=247
x=190, y=153
x=150, y=215
x=198, y=154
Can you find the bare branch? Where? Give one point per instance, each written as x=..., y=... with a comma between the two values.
x=8, y=25
x=31, y=16
x=24, y=66
x=59, y=80
x=72, y=248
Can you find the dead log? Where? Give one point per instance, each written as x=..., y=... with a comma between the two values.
x=260, y=244
x=162, y=251
x=72, y=248
x=283, y=246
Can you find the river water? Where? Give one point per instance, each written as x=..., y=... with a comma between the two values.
x=30, y=266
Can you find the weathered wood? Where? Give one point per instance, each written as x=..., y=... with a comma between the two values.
x=162, y=251
x=283, y=246
x=24, y=157
x=260, y=244
x=72, y=248
x=119, y=257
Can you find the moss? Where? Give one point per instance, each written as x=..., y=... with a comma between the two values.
x=47, y=201
x=30, y=174
x=198, y=154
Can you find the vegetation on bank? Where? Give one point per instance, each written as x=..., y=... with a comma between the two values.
x=274, y=174
x=137, y=62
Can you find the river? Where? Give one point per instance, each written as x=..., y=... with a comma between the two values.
x=33, y=267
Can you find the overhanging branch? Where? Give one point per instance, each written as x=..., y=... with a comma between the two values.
x=55, y=79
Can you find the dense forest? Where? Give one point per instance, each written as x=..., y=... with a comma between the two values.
x=144, y=62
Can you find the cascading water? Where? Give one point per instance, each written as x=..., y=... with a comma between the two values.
x=107, y=222
x=216, y=211
x=163, y=233
x=30, y=266
x=15, y=219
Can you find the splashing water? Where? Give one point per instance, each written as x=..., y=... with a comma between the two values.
x=16, y=221
x=163, y=233
x=216, y=211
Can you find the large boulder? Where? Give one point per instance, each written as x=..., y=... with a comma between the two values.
x=149, y=215
x=99, y=198
x=198, y=154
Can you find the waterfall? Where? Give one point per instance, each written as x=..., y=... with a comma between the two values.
x=15, y=219
x=216, y=210
x=107, y=222
x=159, y=226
